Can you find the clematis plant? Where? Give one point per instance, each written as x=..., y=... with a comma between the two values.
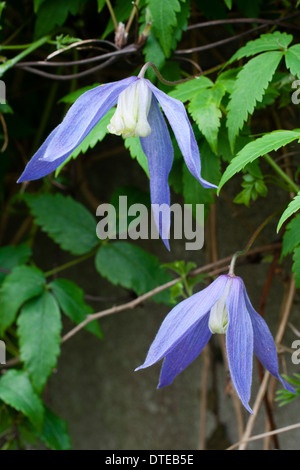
x=137, y=114
x=222, y=307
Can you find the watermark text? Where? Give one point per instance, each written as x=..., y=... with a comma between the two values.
x=135, y=222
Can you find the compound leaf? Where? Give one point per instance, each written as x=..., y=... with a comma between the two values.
x=16, y=390
x=39, y=327
x=249, y=89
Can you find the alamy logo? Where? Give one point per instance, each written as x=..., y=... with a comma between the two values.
x=2, y=92
x=2, y=352
x=296, y=354
x=135, y=222
x=296, y=94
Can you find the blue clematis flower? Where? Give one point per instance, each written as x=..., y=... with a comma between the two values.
x=137, y=114
x=223, y=307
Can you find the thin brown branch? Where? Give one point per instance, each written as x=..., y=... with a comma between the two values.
x=219, y=43
x=80, y=44
x=5, y=133
x=134, y=303
x=90, y=60
x=291, y=427
x=279, y=22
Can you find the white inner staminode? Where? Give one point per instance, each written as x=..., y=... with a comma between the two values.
x=130, y=118
x=218, y=317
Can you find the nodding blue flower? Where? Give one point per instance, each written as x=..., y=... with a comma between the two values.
x=223, y=307
x=137, y=114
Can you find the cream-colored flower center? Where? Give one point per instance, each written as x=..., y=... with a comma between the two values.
x=218, y=317
x=130, y=118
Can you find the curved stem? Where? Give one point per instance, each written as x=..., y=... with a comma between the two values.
x=280, y=172
x=159, y=76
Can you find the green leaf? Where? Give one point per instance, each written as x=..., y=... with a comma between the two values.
x=187, y=90
x=228, y=3
x=291, y=238
x=291, y=244
x=296, y=266
x=292, y=60
x=249, y=89
x=293, y=207
x=101, y=4
x=39, y=327
x=133, y=268
x=22, y=284
x=204, y=108
x=55, y=432
x=70, y=98
x=193, y=191
x=266, y=42
x=164, y=21
x=71, y=300
x=6, y=418
x=133, y=144
x=11, y=256
x=228, y=78
x=271, y=141
x=37, y=4
x=181, y=22
x=283, y=395
x=224, y=149
x=65, y=220
x=17, y=391
x=52, y=13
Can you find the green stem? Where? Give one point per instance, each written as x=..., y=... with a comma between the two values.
x=133, y=12
x=189, y=291
x=280, y=172
x=11, y=62
x=69, y=264
x=112, y=14
x=17, y=47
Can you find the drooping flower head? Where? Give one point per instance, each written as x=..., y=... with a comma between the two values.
x=137, y=114
x=223, y=307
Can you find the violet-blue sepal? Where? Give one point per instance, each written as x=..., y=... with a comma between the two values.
x=137, y=114
x=222, y=306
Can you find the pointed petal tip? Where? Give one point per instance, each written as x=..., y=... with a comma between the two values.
x=167, y=244
x=286, y=385
x=23, y=178
x=207, y=184
x=248, y=408
x=163, y=383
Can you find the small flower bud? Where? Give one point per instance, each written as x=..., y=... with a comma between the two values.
x=218, y=317
x=121, y=36
x=130, y=118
